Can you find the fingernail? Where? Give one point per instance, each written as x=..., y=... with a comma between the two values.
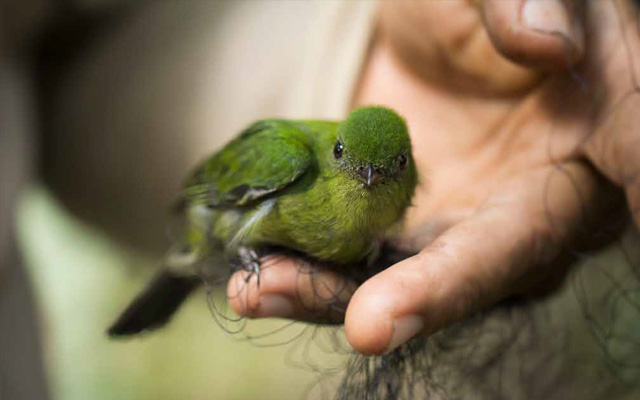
x=404, y=328
x=274, y=305
x=548, y=16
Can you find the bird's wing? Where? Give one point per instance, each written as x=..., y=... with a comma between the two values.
x=265, y=158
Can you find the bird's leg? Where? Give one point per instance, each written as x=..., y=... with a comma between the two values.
x=250, y=262
x=374, y=252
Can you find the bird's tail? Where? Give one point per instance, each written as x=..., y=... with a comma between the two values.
x=155, y=305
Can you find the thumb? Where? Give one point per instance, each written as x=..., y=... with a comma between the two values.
x=544, y=34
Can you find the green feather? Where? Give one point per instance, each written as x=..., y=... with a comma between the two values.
x=280, y=183
x=265, y=158
x=330, y=190
x=376, y=134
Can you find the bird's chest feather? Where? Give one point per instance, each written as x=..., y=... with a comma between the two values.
x=336, y=219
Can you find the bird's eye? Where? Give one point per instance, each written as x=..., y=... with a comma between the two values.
x=337, y=150
x=403, y=160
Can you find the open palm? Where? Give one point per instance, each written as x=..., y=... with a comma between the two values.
x=517, y=164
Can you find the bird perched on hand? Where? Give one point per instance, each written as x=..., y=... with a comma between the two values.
x=330, y=190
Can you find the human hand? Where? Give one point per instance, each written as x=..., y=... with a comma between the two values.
x=506, y=154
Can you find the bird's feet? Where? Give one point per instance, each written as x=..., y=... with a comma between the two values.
x=250, y=263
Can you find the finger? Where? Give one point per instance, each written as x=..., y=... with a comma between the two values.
x=290, y=288
x=547, y=34
x=614, y=71
x=615, y=150
x=475, y=263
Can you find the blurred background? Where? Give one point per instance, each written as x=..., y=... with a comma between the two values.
x=89, y=89
x=104, y=107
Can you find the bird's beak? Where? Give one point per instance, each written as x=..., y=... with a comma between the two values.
x=369, y=174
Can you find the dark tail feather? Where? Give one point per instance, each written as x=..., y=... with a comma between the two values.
x=155, y=306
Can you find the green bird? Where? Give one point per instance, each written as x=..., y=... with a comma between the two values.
x=330, y=190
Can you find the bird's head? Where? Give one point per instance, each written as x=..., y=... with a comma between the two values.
x=373, y=146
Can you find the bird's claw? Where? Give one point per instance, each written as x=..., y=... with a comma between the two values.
x=250, y=263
